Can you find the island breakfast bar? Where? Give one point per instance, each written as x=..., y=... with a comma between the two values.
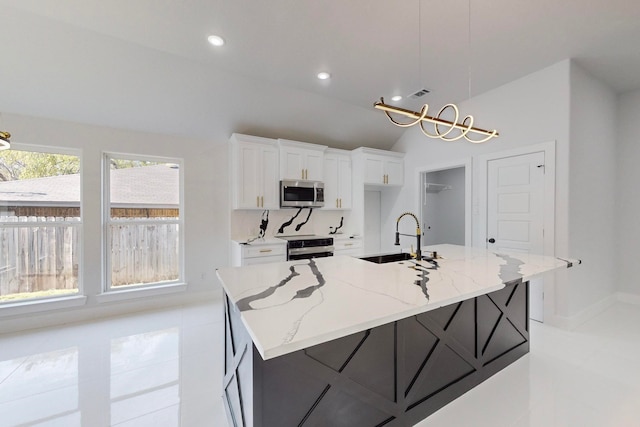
x=341, y=341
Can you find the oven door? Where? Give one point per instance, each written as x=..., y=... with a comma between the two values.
x=309, y=252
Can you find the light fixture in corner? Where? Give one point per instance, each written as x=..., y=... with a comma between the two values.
x=5, y=144
x=447, y=130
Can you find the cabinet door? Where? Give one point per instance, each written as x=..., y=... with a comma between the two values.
x=248, y=185
x=344, y=182
x=313, y=165
x=394, y=168
x=374, y=170
x=292, y=163
x=270, y=184
x=331, y=182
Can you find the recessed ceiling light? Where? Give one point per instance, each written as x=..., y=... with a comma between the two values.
x=324, y=75
x=396, y=98
x=216, y=40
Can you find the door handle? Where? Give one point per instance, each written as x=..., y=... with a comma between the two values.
x=491, y=240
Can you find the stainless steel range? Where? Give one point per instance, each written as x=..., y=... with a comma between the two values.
x=308, y=246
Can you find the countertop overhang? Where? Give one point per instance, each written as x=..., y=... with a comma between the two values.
x=289, y=306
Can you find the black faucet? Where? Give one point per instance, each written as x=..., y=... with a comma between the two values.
x=418, y=253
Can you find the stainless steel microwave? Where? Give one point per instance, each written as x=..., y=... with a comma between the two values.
x=301, y=194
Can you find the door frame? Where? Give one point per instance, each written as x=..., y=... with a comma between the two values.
x=482, y=161
x=467, y=164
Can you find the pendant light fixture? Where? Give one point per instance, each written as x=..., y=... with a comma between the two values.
x=5, y=144
x=447, y=130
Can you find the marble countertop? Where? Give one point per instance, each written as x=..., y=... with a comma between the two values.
x=289, y=306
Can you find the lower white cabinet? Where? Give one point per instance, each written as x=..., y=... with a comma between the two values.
x=347, y=246
x=257, y=253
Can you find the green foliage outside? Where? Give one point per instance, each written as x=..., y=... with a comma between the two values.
x=123, y=163
x=15, y=164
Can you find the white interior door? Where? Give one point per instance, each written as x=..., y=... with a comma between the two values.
x=372, y=222
x=515, y=212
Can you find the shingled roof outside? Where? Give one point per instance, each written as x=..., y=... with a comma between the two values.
x=148, y=186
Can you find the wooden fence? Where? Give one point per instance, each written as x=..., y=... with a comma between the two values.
x=45, y=257
x=143, y=253
x=38, y=258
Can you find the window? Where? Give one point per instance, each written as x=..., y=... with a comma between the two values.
x=40, y=224
x=144, y=225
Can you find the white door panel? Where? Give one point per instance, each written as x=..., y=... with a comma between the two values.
x=515, y=210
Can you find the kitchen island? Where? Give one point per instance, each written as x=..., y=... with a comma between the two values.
x=342, y=341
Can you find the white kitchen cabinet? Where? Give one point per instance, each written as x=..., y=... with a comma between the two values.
x=300, y=160
x=347, y=246
x=384, y=168
x=337, y=179
x=258, y=252
x=255, y=166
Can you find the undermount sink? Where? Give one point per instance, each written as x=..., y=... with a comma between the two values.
x=385, y=258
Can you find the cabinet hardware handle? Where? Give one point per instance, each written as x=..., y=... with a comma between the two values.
x=257, y=201
x=265, y=250
x=302, y=173
x=340, y=202
x=306, y=174
x=337, y=206
x=348, y=244
x=262, y=201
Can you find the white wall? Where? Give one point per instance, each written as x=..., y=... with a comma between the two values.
x=628, y=201
x=592, y=175
x=206, y=209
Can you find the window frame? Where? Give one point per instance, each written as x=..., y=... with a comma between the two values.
x=107, y=222
x=73, y=299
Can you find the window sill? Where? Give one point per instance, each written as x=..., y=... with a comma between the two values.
x=128, y=294
x=36, y=306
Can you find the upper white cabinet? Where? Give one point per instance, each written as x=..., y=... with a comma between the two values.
x=300, y=160
x=337, y=179
x=254, y=172
x=381, y=167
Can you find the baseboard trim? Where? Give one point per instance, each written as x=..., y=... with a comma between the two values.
x=97, y=312
x=588, y=313
x=628, y=298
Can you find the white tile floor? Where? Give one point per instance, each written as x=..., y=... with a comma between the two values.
x=164, y=368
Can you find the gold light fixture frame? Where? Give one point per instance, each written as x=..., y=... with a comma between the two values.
x=5, y=142
x=465, y=127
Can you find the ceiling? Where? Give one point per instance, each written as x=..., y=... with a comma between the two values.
x=146, y=64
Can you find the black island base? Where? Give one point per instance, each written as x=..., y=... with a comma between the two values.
x=392, y=375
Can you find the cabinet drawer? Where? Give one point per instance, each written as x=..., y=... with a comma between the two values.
x=249, y=251
x=341, y=245
x=263, y=260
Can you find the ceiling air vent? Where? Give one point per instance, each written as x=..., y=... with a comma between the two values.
x=419, y=94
